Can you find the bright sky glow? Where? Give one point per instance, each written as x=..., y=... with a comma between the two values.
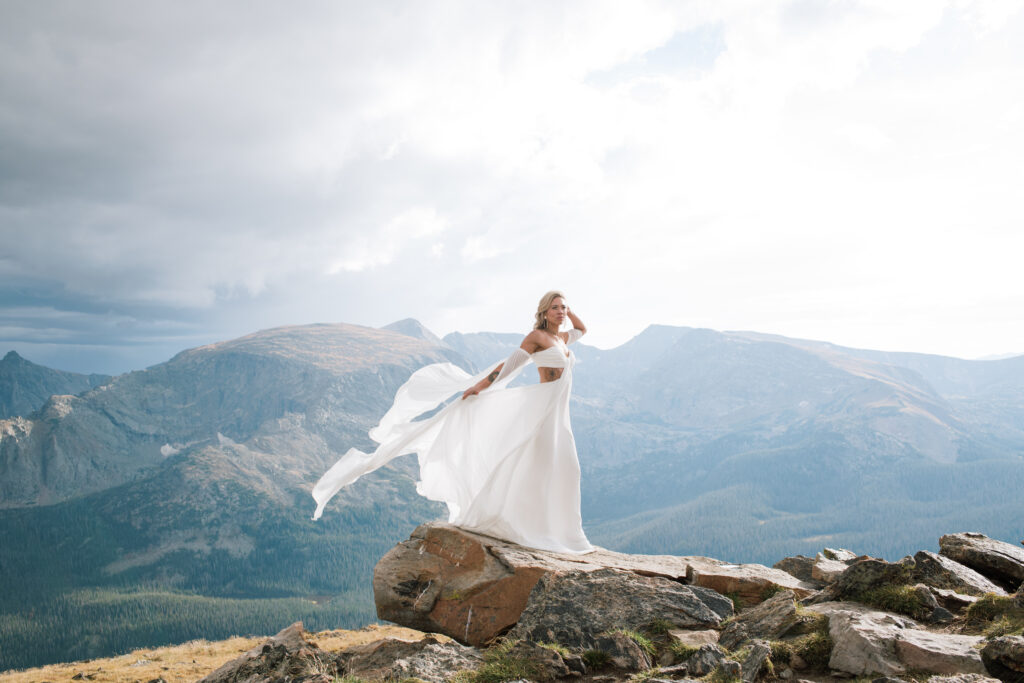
x=173, y=174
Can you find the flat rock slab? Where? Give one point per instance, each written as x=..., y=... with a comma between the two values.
x=473, y=587
x=939, y=571
x=694, y=638
x=870, y=642
x=1003, y=563
x=752, y=582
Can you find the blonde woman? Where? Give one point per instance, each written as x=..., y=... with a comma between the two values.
x=502, y=459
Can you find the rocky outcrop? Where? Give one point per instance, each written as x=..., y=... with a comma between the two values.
x=474, y=588
x=286, y=656
x=1001, y=562
x=389, y=659
x=575, y=608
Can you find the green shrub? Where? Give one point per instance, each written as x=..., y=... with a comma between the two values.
x=659, y=627
x=815, y=649
x=899, y=599
x=555, y=647
x=770, y=590
x=682, y=651
x=1005, y=626
x=990, y=606
x=499, y=666
x=640, y=639
x=595, y=659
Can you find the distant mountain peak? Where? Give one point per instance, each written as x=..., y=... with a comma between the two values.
x=12, y=356
x=411, y=327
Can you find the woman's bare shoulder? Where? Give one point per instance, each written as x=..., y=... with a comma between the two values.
x=533, y=342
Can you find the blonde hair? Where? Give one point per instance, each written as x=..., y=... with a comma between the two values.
x=539, y=321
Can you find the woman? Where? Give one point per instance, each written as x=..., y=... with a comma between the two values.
x=503, y=460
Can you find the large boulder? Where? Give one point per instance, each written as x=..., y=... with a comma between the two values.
x=939, y=571
x=770, y=620
x=1001, y=562
x=575, y=608
x=870, y=642
x=1004, y=657
x=473, y=587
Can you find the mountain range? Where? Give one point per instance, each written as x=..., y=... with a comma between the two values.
x=181, y=492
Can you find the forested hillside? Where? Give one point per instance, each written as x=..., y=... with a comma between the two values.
x=173, y=503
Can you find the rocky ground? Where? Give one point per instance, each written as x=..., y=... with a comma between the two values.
x=502, y=612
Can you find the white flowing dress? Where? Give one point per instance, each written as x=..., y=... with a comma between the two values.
x=504, y=461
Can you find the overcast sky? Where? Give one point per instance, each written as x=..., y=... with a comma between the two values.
x=176, y=173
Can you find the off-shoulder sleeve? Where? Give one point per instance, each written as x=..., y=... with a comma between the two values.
x=574, y=335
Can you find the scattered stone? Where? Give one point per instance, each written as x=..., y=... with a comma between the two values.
x=963, y=678
x=730, y=668
x=705, y=660
x=841, y=555
x=287, y=654
x=942, y=572
x=827, y=570
x=937, y=614
x=694, y=638
x=927, y=598
x=797, y=566
x=574, y=607
x=623, y=652
x=872, y=642
x=1018, y=597
x=887, y=679
x=428, y=659
x=1001, y=562
x=952, y=600
x=769, y=620
x=752, y=582
x=1004, y=658
x=753, y=662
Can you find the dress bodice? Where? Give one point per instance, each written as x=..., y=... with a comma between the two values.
x=555, y=356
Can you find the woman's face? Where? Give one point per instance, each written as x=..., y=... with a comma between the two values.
x=555, y=315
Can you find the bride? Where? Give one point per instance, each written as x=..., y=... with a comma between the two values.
x=502, y=459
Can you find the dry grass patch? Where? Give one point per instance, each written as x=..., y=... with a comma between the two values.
x=192, y=660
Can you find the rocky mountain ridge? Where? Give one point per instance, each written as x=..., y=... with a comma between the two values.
x=26, y=386
x=194, y=475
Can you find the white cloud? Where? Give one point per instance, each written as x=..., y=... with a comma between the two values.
x=712, y=163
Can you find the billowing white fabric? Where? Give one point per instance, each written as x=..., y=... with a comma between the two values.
x=504, y=461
